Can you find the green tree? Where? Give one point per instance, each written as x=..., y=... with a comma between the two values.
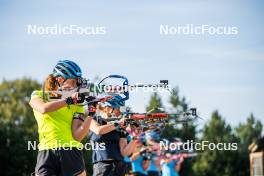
x=247, y=133
x=155, y=104
x=217, y=162
x=187, y=131
x=179, y=104
x=17, y=127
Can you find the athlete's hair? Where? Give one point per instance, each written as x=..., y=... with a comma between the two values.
x=50, y=83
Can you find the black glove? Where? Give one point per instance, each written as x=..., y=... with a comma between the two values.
x=117, y=126
x=69, y=101
x=123, y=133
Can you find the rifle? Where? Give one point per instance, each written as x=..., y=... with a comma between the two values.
x=131, y=117
x=86, y=88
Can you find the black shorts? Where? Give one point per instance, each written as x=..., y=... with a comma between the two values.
x=109, y=168
x=60, y=162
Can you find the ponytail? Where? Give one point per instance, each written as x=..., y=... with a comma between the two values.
x=50, y=84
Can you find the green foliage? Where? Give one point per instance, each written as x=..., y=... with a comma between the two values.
x=15, y=158
x=217, y=162
x=17, y=127
x=177, y=102
x=154, y=103
x=14, y=98
x=248, y=133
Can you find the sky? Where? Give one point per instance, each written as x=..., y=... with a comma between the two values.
x=214, y=72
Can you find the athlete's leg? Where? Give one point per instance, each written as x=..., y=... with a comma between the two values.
x=82, y=174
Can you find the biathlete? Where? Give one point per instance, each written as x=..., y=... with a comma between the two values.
x=60, y=150
x=110, y=161
x=171, y=166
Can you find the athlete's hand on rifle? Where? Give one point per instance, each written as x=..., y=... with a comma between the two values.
x=122, y=122
x=73, y=99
